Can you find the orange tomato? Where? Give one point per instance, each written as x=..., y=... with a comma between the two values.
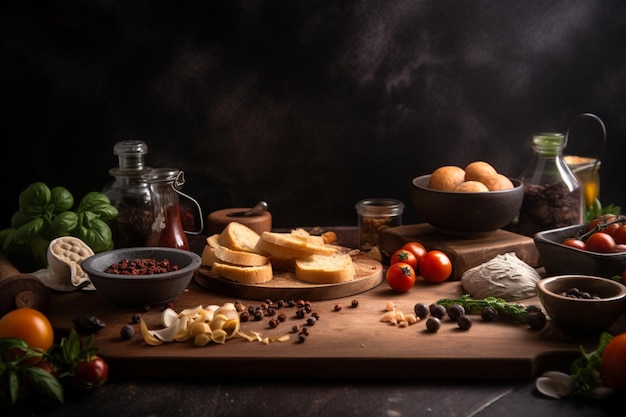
x=614, y=363
x=28, y=324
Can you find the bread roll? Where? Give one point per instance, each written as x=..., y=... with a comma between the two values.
x=471, y=187
x=476, y=171
x=446, y=178
x=497, y=182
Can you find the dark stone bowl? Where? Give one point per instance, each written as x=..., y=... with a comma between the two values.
x=466, y=214
x=141, y=290
x=582, y=315
x=559, y=259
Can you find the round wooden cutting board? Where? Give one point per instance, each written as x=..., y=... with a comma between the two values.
x=284, y=285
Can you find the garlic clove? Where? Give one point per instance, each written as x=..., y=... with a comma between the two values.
x=555, y=384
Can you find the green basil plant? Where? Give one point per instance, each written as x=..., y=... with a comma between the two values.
x=45, y=214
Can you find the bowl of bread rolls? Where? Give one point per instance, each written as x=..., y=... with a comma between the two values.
x=471, y=200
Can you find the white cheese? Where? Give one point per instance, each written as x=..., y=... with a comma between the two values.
x=505, y=276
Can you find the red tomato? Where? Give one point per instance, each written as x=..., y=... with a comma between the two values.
x=619, y=235
x=435, y=266
x=91, y=373
x=400, y=277
x=575, y=243
x=30, y=325
x=619, y=247
x=600, y=242
x=600, y=219
x=416, y=248
x=403, y=255
x=614, y=363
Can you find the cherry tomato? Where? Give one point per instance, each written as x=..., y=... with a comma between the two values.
x=91, y=373
x=403, y=255
x=619, y=235
x=575, y=243
x=435, y=266
x=30, y=325
x=400, y=277
x=614, y=363
x=416, y=248
x=600, y=242
x=604, y=218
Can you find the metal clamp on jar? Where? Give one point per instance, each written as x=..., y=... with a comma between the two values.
x=167, y=228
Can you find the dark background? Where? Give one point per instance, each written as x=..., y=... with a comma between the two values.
x=309, y=105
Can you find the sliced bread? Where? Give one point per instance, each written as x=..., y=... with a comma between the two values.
x=286, y=240
x=239, y=237
x=208, y=256
x=244, y=274
x=241, y=258
x=325, y=269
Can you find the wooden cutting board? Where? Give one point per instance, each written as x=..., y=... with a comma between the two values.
x=348, y=343
x=464, y=252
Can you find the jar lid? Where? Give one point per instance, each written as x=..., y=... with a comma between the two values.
x=130, y=154
x=380, y=207
x=165, y=175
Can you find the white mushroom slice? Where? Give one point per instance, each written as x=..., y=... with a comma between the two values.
x=169, y=317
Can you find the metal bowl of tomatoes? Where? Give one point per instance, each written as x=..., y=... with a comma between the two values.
x=466, y=213
x=141, y=276
x=582, y=249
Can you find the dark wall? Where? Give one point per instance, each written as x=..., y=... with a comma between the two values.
x=309, y=105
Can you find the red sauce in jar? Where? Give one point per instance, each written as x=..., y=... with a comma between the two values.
x=172, y=234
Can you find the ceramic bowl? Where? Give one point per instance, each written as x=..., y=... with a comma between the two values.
x=466, y=213
x=559, y=259
x=141, y=290
x=578, y=314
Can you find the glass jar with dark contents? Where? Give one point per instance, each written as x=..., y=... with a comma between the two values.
x=553, y=195
x=130, y=194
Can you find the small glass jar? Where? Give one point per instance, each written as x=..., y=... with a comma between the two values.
x=130, y=194
x=376, y=215
x=167, y=228
x=553, y=195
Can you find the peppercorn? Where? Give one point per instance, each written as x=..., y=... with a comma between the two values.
x=300, y=313
x=315, y=315
x=354, y=303
x=136, y=318
x=337, y=307
x=282, y=317
x=244, y=316
x=273, y=323
x=270, y=312
x=311, y=321
x=464, y=322
x=258, y=315
x=127, y=332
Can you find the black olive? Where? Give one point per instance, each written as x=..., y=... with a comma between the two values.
x=438, y=311
x=421, y=310
x=536, y=320
x=433, y=324
x=455, y=311
x=464, y=322
x=88, y=324
x=127, y=332
x=489, y=314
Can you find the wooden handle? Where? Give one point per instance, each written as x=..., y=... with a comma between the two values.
x=21, y=290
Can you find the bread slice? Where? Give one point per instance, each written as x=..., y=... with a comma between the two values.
x=213, y=241
x=208, y=256
x=273, y=250
x=239, y=237
x=307, y=237
x=244, y=274
x=325, y=269
x=286, y=240
x=240, y=258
